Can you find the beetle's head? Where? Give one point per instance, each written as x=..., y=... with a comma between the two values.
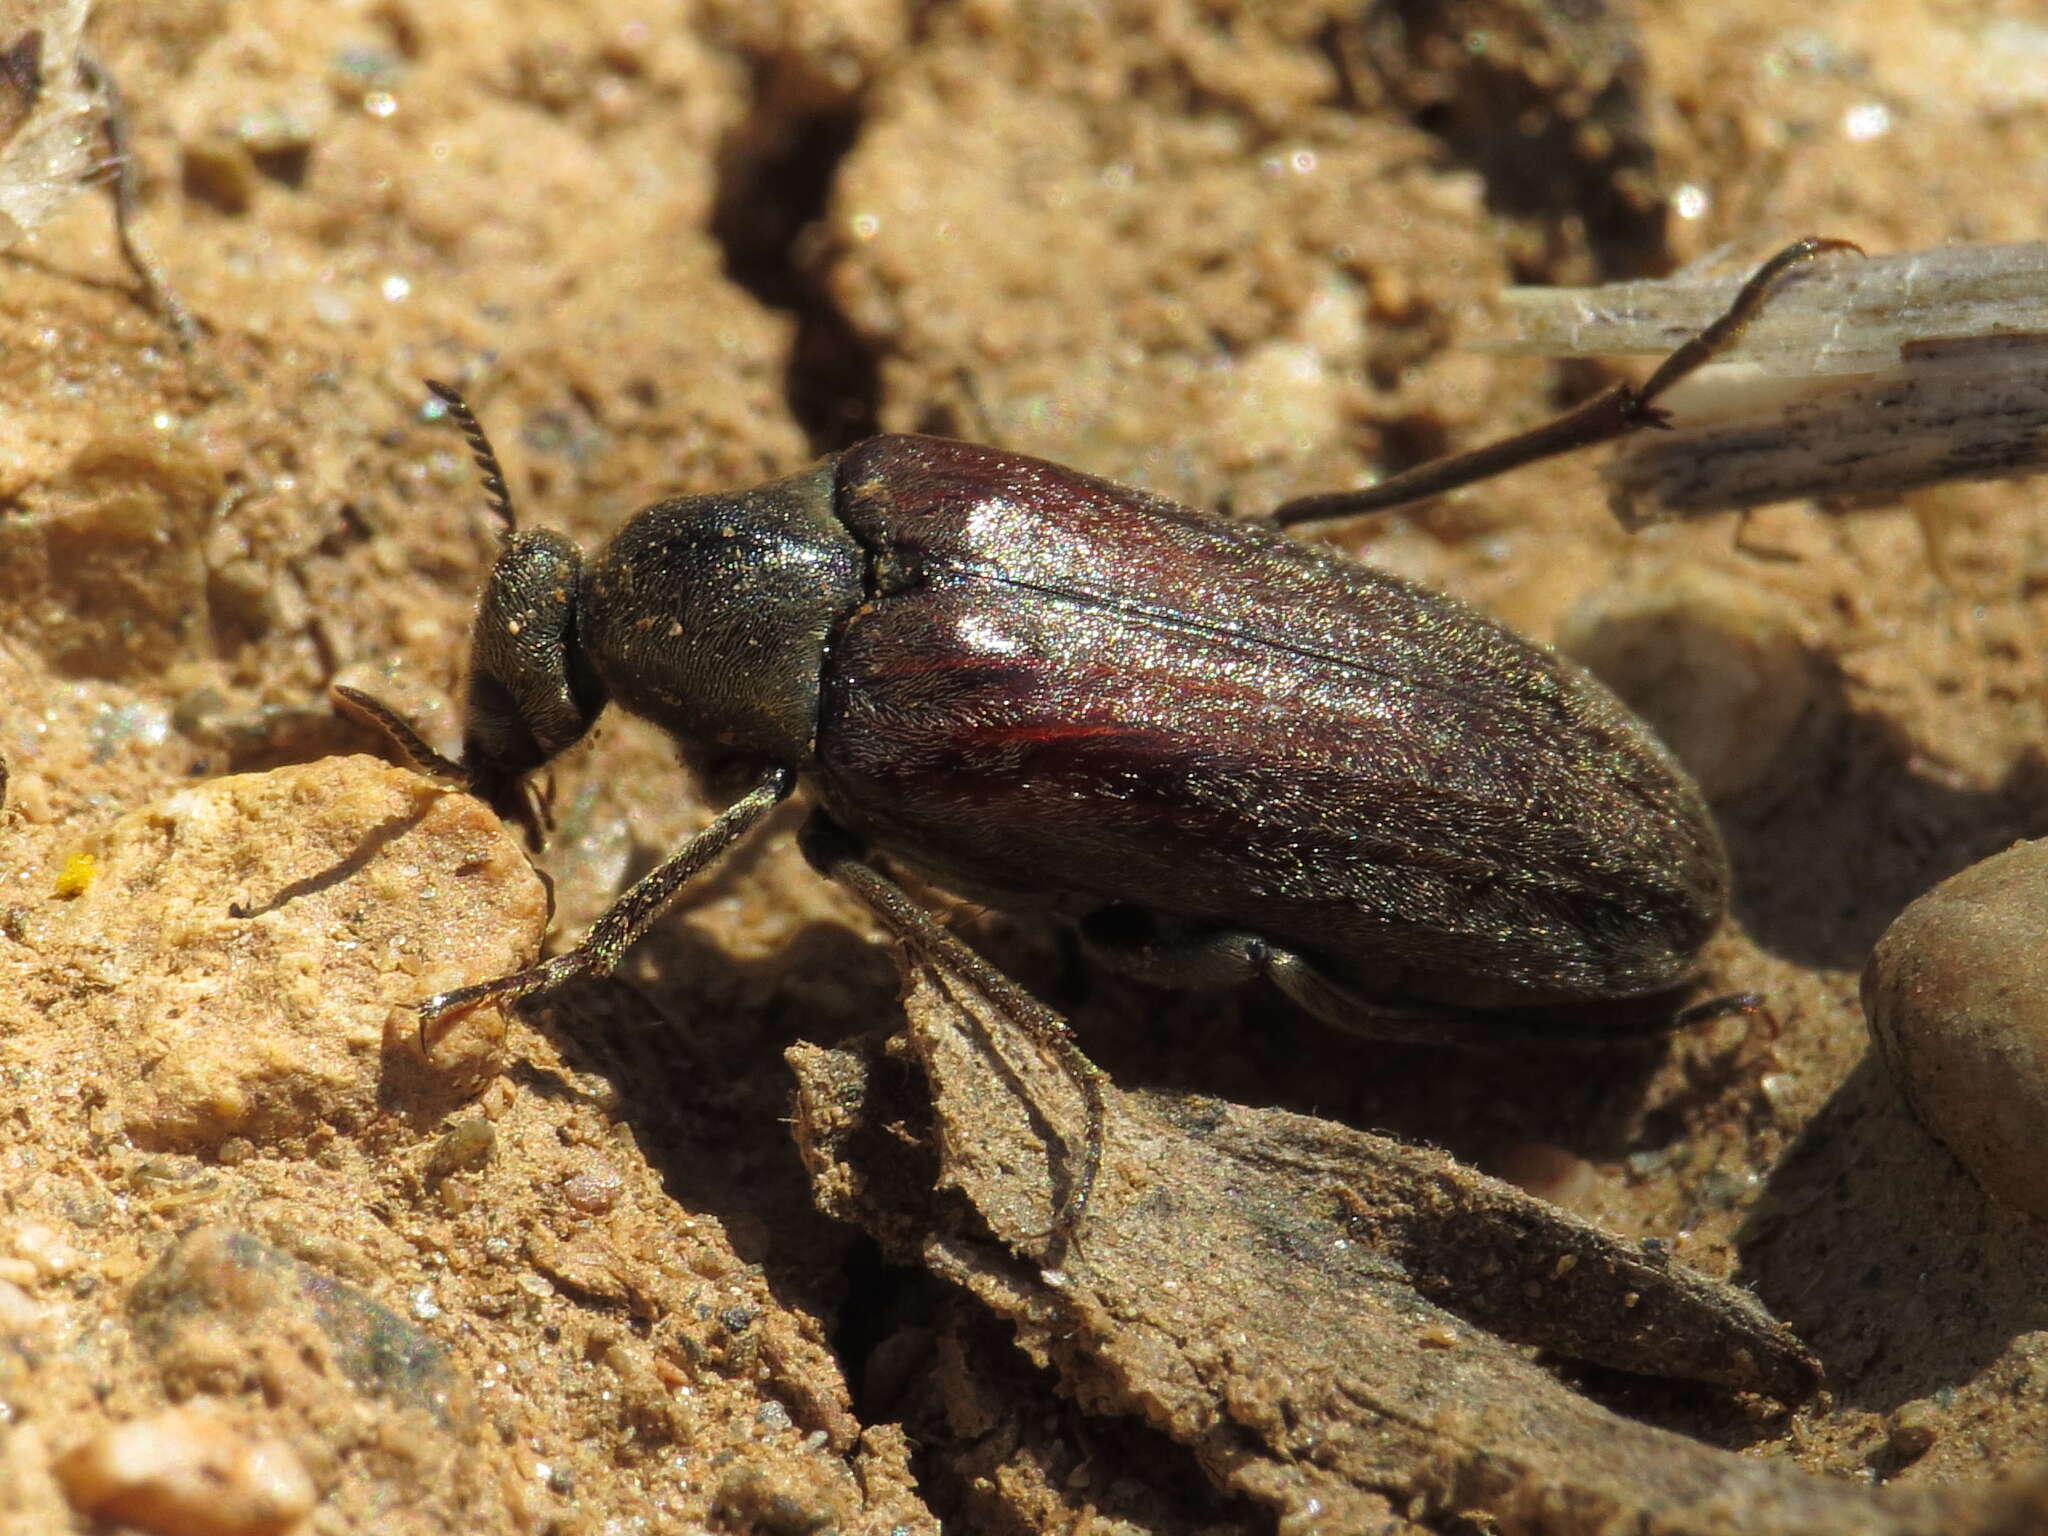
x=531, y=693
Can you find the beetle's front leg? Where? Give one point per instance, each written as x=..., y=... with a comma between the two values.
x=627, y=918
x=835, y=854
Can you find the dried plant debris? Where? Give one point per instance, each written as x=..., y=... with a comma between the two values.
x=1846, y=314
x=63, y=128
x=49, y=118
x=1001, y=1452
x=1861, y=378
x=1320, y=1316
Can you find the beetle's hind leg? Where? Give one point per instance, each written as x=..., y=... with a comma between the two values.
x=836, y=855
x=1154, y=950
x=1613, y=413
x=1137, y=944
x=1358, y=1012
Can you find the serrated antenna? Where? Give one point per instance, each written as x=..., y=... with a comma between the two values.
x=495, y=492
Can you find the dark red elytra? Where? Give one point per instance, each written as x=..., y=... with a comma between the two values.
x=1058, y=688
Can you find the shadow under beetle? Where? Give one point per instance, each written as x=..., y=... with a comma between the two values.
x=1220, y=752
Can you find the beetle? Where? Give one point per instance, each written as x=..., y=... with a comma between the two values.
x=1219, y=751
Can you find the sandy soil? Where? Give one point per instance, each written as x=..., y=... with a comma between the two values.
x=568, y=1274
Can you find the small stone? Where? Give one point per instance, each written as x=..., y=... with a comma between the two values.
x=46, y=1252
x=780, y=1497
x=279, y=138
x=218, y=170
x=221, y=1304
x=1714, y=664
x=1778, y=1089
x=271, y=933
x=20, y=1317
x=115, y=556
x=1913, y=1429
x=184, y=1472
x=465, y=1144
x=593, y=1190
x=1286, y=401
x=1956, y=996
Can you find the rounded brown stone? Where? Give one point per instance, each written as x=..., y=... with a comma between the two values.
x=1956, y=997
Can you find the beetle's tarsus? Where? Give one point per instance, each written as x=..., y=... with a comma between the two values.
x=1735, y=1004
x=1726, y=330
x=444, y=1008
x=1089, y=1078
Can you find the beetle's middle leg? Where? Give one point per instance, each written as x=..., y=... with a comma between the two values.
x=834, y=854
